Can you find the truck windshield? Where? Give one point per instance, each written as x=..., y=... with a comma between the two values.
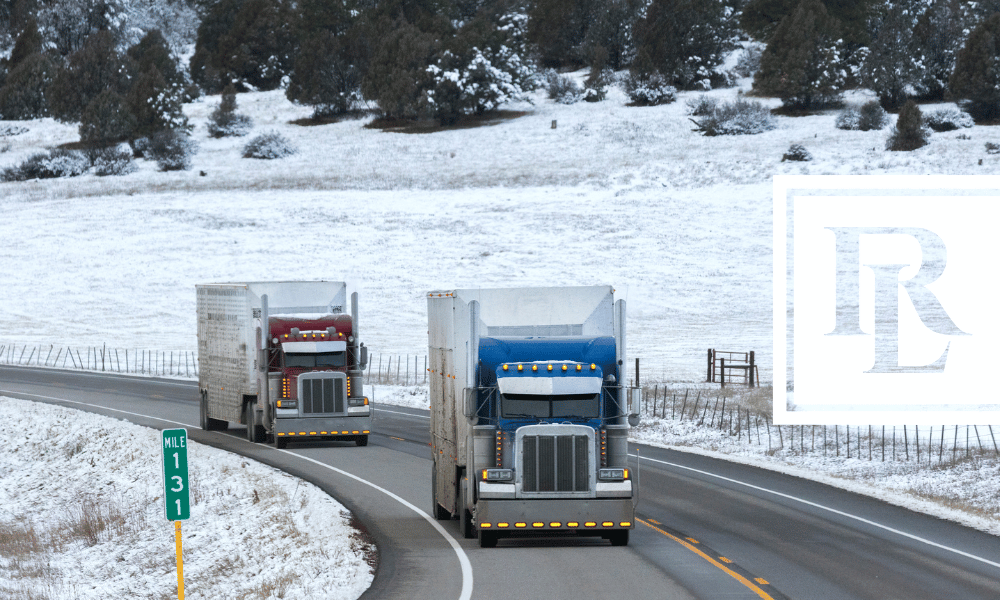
x=325, y=359
x=584, y=406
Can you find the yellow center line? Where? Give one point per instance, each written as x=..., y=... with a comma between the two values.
x=396, y=438
x=728, y=571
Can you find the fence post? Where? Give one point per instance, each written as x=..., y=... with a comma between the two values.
x=751, y=370
x=722, y=373
x=708, y=370
x=916, y=440
x=722, y=419
x=996, y=452
x=694, y=412
x=684, y=404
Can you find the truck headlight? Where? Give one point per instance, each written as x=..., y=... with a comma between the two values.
x=357, y=401
x=498, y=475
x=288, y=404
x=612, y=474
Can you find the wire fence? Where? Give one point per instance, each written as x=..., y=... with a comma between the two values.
x=931, y=445
x=727, y=412
x=103, y=359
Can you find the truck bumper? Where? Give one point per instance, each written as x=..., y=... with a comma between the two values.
x=581, y=516
x=322, y=428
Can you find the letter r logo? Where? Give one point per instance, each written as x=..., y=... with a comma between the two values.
x=887, y=294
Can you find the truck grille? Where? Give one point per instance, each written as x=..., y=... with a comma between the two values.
x=555, y=463
x=322, y=396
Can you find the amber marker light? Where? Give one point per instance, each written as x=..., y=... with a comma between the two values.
x=520, y=367
x=579, y=367
x=538, y=524
x=505, y=367
x=520, y=525
x=564, y=367
x=590, y=524
x=608, y=524
x=534, y=367
x=593, y=366
x=626, y=523
x=573, y=524
x=555, y=524
x=486, y=525
x=503, y=525
x=550, y=367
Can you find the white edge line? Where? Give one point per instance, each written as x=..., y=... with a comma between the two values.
x=396, y=412
x=463, y=558
x=827, y=508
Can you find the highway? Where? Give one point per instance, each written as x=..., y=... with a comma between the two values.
x=707, y=529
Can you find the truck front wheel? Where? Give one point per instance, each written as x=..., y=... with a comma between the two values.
x=487, y=539
x=619, y=538
x=255, y=432
x=361, y=440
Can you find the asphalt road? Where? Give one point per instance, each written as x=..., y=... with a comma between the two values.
x=706, y=528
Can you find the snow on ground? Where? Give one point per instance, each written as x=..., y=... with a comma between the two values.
x=679, y=223
x=82, y=517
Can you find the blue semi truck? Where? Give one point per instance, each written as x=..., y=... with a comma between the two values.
x=530, y=412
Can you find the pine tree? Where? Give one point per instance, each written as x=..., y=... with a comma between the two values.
x=25, y=91
x=96, y=67
x=891, y=66
x=760, y=18
x=977, y=71
x=225, y=121
x=398, y=71
x=106, y=120
x=557, y=29
x=801, y=64
x=28, y=42
x=909, y=133
x=938, y=36
x=324, y=76
x=684, y=40
x=153, y=51
x=155, y=104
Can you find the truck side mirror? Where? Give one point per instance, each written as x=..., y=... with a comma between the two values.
x=363, y=359
x=634, y=405
x=469, y=404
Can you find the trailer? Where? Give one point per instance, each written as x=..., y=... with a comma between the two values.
x=530, y=412
x=284, y=359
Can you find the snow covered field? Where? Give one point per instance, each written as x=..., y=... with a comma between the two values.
x=632, y=197
x=82, y=517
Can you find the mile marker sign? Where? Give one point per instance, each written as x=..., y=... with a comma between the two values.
x=175, y=475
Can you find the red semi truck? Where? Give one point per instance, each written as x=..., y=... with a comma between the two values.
x=284, y=359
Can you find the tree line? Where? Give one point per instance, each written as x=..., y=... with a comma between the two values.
x=79, y=61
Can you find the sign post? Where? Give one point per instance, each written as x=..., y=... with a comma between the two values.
x=177, y=499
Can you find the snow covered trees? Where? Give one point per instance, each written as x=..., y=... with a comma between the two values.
x=891, y=65
x=802, y=62
x=977, y=71
x=683, y=40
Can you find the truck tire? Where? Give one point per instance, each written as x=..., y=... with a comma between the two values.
x=437, y=511
x=361, y=440
x=255, y=433
x=280, y=442
x=468, y=531
x=487, y=539
x=619, y=538
x=207, y=422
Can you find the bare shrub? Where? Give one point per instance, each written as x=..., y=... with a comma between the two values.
x=741, y=117
x=948, y=119
x=701, y=106
x=269, y=146
x=651, y=90
x=562, y=89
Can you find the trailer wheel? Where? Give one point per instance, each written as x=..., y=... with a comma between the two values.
x=361, y=440
x=619, y=538
x=487, y=539
x=207, y=422
x=439, y=513
x=255, y=433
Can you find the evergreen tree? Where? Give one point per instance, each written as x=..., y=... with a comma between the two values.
x=249, y=43
x=891, y=66
x=760, y=18
x=328, y=66
x=610, y=28
x=153, y=51
x=225, y=121
x=557, y=29
x=155, y=104
x=909, y=133
x=96, y=67
x=25, y=91
x=106, y=120
x=977, y=71
x=801, y=64
x=938, y=35
x=684, y=40
x=28, y=42
x=398, y=71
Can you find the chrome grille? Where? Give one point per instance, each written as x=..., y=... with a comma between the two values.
x=322, y=396
x=555, y=463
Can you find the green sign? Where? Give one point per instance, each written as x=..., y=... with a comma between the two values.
x=175, y=475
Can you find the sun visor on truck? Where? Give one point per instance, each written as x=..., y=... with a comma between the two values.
x=313, y=347
x=549, y=386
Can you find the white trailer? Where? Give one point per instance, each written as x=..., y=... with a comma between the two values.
x=282, y=358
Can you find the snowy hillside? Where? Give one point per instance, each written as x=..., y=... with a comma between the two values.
x=550, y=194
